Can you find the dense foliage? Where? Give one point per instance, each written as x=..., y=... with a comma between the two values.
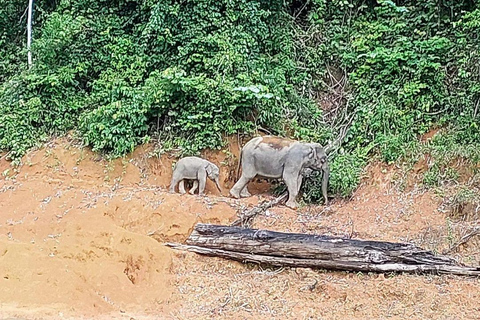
x=193, y=71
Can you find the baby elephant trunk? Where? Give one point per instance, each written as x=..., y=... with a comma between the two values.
x=217, y=183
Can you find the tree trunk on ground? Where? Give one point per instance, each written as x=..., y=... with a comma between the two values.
x=304, y=250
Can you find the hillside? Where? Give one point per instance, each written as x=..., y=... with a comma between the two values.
x=117, y=91
x=370, y=77
x=82, y=236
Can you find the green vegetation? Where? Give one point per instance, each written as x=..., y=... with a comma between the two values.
x=119, y=72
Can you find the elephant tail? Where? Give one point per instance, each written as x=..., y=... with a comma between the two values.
x=239, y=163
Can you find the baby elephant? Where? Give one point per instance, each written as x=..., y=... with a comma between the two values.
x=194, y=168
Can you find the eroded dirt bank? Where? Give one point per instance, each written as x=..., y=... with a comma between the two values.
x=83, y=237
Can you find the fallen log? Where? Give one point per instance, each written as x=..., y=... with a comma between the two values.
x=318, y=251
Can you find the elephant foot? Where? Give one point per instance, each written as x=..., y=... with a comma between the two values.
x=291, y=204
x=245, y=193
x=234, y=194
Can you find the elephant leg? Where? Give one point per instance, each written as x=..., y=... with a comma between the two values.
x=244, y=193
x=174, y=182
x=181, y=187
x=240, y=188
x=202, y=179
x=299, y=182
x=291, y=181
x=326, y=174
x=194, y=188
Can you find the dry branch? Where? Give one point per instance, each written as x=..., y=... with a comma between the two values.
x=463, y=240
x=304, y=250
x=246, y=215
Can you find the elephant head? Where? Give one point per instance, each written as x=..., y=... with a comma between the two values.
x=213, y=174
x=317, y=160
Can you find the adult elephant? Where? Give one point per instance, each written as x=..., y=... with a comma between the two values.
x=276, y=157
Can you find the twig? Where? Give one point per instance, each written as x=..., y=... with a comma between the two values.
x=353, y=229
x=23, y=15
x=5, y=155
x=300, y=11
x=335, y=145
x=464, y=239
x=264, y=130
x=246, y=216
x=338, y=82
x=341, y=115
x=436, y=112
x=476, y=108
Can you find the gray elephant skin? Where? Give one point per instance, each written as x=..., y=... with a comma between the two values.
x=197, y=169
x=276, y=157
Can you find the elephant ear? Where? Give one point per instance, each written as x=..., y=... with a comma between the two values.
x=209, y=169
x=316, y=156
x=312, y=153
x=322, y=155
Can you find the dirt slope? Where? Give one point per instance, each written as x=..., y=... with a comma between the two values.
x=81, y=236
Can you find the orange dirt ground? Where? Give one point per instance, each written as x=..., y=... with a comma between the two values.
x=83, y=237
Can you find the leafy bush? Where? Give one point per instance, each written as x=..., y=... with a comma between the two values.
x=26, y=117
x=407, y=71
x=445, y=150
x=198, y=109
x=116, y=127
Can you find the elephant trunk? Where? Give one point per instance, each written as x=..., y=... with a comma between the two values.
x=217, y=183
x=326, y=175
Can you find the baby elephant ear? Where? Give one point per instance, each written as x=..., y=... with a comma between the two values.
x=209, y=168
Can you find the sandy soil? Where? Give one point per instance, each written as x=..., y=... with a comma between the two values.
x=83, y=237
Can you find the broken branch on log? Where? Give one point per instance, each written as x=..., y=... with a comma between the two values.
x=304, y=250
